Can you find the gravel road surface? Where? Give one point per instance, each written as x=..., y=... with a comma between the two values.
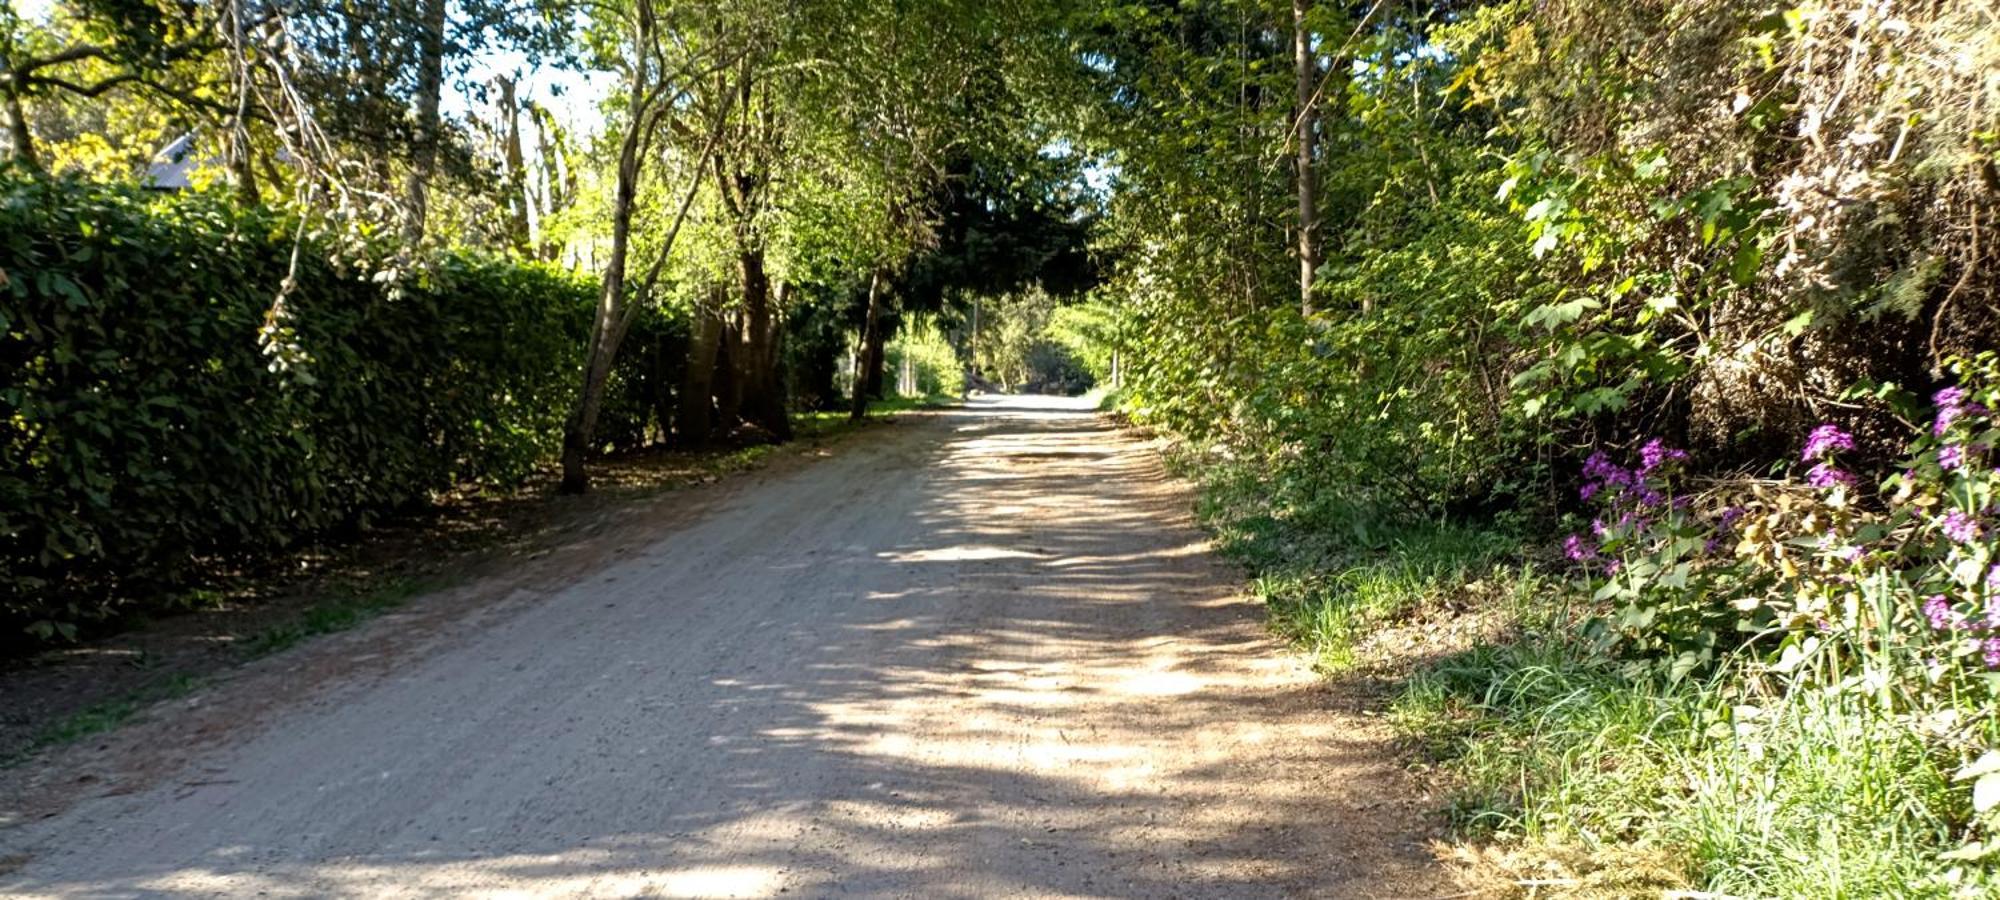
x=982, y=653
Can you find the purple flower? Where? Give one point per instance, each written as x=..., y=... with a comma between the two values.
x=1939, y=613
x=1657, y=452
x=1852, y=553
x=1599, y=473
x=1993, y=653
x=1825, y=475
x=1826, y=439
x=1730, y=515
x=1993, y=577
x=1950, y=405
x=1960, y=527
x=1578, y=549
x=1951, y=457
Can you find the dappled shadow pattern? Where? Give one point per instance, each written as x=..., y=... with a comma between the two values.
x=987, y=656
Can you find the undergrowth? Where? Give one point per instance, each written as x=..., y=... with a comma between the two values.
x=1328, y=577
x=1564, y=772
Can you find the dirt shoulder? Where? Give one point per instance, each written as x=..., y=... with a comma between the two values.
x=74, y=693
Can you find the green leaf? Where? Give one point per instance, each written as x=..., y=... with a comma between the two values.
x=1743, y=266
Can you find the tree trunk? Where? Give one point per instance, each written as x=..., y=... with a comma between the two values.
x=615, y=311
x=516, y=187
x=582, y=423
x=878, y=357
x=692, y=426
x=242, y=164
x=1306, y=126
x=757, y=364
x=430, y=127
x=729, y=385
x=607, y=326
x=864, y=364
x=20, y=141
x=667, y=348
x=557, y=184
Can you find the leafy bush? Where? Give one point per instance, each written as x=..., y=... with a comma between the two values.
x=1906, y=577
x=1885, y=602
x=158, y=407
x=646, y=381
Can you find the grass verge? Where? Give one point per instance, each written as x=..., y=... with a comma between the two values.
x=1566, y=775
x=103, y=716
x=339, y=612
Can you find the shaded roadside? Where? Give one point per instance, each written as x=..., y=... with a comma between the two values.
x=243, y=612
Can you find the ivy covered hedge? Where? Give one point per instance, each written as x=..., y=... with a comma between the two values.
x=147, y=424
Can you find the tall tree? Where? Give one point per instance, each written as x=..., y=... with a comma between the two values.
x=661, y=58
x=429, y=122
x=754, y=139
x=92, y=51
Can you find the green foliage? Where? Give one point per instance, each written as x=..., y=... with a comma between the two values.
x=144, y=428
x=1033, y=341
x=1888, y=604
x=646, y=382
x=1552, y=227
x=1533, y=240
x=1604, y=778
x=1396, y=393
x=934, y=369
x=1090, y=333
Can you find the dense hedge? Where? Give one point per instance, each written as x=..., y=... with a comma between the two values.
x=643, y=397
x=144, y=427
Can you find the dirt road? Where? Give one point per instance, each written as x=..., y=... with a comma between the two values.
x=985, y=653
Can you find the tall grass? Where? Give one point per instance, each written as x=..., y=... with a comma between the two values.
x=1566, y=770
x=1328, y=585
x=1555, y=752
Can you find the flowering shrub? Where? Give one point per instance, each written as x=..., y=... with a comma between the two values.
x=1892, y=595
x=1650, y=555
